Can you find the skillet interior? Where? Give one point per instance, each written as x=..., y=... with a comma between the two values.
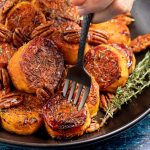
x=128, y=116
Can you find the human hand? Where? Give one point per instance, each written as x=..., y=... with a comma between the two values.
x=103, y=9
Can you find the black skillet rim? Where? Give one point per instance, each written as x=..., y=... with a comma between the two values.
x=81, y=142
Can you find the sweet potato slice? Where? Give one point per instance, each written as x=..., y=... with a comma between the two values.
x=24, y=119
x=36, y=65
x=60, y=9
x=68, y=48
x=24, y=16
x=63, y=120
x=108, y=66
x=118, y=32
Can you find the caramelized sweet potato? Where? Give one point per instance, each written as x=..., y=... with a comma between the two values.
x=108, y=66
x=63, y=120
x=118, y=32
x=24, y=16
x=57, y=9
x=69, y=49
x=24, y=119
x=35, y=65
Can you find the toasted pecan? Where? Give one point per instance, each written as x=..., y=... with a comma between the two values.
x=43, y=30
x=10, y=100
x=95, y=37
x=5, y=34
x=105, y=99
x=19, y=38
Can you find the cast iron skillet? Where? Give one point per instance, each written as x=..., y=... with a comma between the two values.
x=128, y=116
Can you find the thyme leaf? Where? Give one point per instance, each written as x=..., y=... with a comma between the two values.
x=137, y=82
x=68, y=2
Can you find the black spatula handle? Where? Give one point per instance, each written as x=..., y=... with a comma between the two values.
x=83, y=37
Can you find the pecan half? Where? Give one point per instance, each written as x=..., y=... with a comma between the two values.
x=5, y=34
x=105, y=99
x=19, y=38
x=10, y=100
x=43, y=30
x=95, y=37
x=71, y=36
x=4, y=80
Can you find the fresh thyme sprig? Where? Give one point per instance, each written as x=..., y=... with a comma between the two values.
x=138, y=80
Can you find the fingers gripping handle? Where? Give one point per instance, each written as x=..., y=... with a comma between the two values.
x=83, y=37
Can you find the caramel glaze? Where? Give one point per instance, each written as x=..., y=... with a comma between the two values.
x=127, y=51
x=103, y=65
x=42, y=64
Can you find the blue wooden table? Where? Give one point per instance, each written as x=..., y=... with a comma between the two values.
x=136, y=138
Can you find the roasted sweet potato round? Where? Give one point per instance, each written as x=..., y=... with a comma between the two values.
x=57, y=9
x=69, y=47
x=93, y=98
x=35, y=65
x=24, y=16
x=108, y=66
x=118, y=32
x=63, y=120
x=24, y=119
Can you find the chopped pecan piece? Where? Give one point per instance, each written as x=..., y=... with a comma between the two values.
x=8, y=5
x=6, y=52
x=5, y=34
x=10, y=100
x=94, y=126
